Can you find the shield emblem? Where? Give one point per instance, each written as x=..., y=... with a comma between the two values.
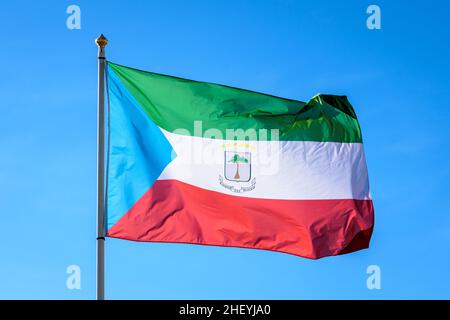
x=237, y=166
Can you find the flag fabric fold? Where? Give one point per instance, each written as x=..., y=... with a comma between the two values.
x=202, y=163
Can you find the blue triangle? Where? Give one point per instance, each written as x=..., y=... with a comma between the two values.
x=138, y=151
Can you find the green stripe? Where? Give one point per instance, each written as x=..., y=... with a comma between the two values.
x=174, y=103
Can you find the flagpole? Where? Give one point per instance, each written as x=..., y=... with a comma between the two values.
x=101, y=42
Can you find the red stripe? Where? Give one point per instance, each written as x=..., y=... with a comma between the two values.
x=173, y=211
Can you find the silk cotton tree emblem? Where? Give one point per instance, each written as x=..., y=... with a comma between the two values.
x=237, y=172
x=237, y=166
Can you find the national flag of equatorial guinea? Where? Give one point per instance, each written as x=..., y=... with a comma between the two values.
x=201, y=163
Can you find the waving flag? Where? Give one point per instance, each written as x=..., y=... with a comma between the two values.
x=201, y=163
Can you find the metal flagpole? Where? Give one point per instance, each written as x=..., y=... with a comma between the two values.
x=101, y=42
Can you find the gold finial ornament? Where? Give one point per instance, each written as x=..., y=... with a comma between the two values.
x=101, y=41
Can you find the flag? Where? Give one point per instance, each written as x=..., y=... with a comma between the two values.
x=201, y=163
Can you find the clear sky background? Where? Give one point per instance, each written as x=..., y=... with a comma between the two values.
x=397, y=78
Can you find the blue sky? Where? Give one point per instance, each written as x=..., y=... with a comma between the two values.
x=397, y=78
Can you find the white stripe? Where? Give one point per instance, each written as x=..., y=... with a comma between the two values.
x=299, y=170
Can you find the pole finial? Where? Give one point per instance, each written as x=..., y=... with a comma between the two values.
x=101, y=41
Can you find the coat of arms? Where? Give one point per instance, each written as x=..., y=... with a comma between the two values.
x=237, y=166
x=237, y=170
